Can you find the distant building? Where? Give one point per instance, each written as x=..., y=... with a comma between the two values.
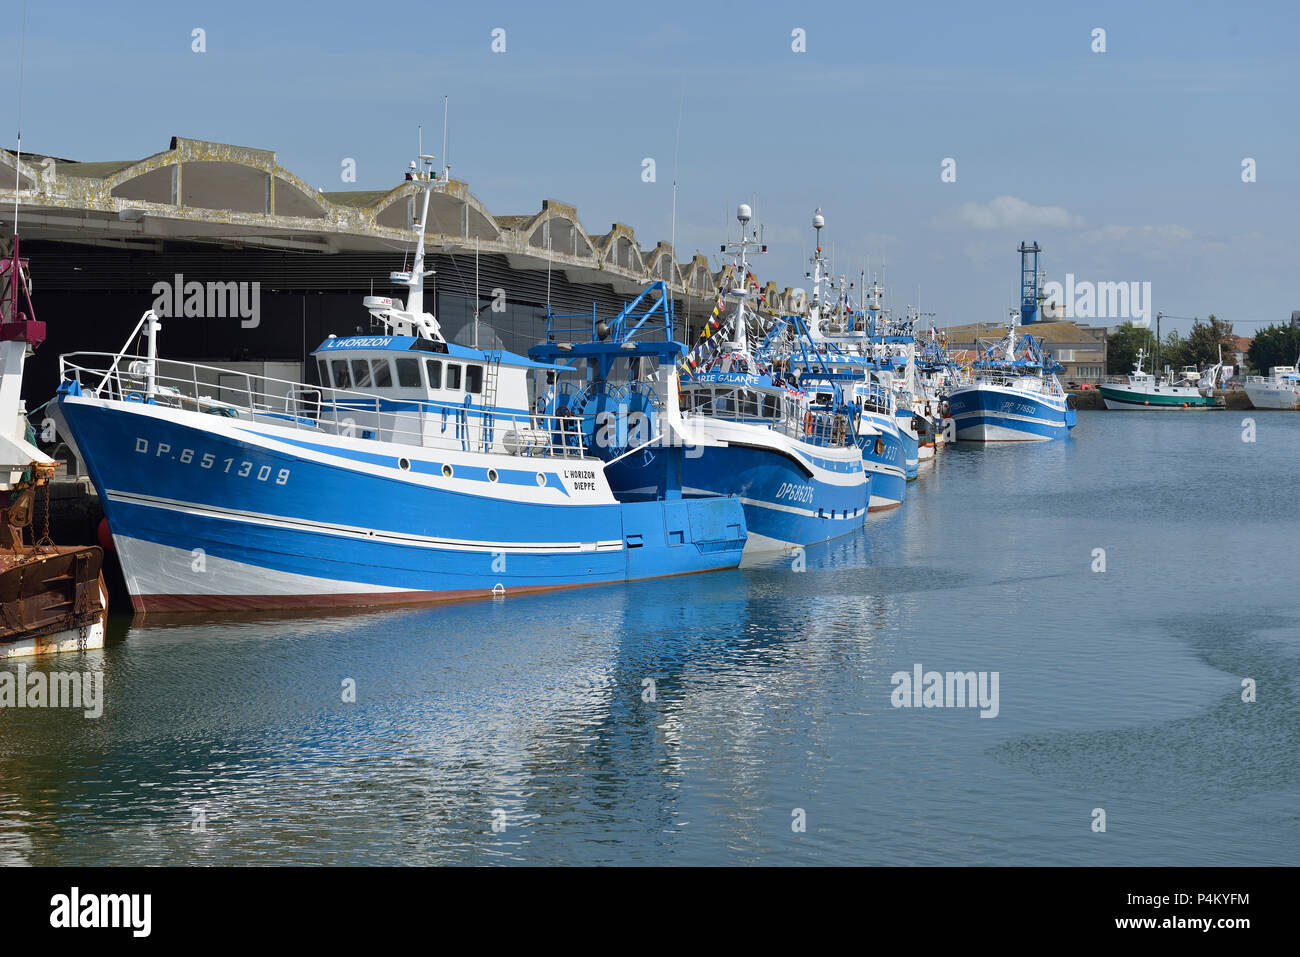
x=1242, y=346
x=1080, y=349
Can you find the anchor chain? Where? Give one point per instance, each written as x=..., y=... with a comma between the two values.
x=45, y=540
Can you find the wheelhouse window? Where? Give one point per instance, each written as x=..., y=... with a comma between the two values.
x=360, y=373
x=408, y=372
x=453, y=376
x=323, y=370
x=474, y=379
x=433, y=368
x=342, y=380
x=381, y=374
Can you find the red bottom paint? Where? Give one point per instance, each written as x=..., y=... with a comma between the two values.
x=186, y=603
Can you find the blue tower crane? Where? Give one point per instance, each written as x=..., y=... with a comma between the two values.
x=1030, y=296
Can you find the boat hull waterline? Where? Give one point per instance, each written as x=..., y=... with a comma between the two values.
x=1126, y=398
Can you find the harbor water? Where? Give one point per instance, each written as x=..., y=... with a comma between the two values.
x=1122, y=584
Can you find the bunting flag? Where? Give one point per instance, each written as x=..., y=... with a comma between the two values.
x=706, y=347
x=711, y=327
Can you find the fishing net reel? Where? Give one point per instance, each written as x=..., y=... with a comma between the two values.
x=604, y=419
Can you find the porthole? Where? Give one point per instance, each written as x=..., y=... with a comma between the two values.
x=541, y=479
x=404, y=464
x=492, y=475
x=446, y=471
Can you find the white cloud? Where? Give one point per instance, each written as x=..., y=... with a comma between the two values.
x=1153, y=234
x=1009, y=212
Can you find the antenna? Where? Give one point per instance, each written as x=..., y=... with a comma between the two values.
x=18, y=156
x=478, y=296
x=676, y=149
x=446, y=166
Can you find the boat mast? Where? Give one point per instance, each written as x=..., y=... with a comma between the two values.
x=819, y=221
x=743, y=214
x=1155, y=365
x=409, y=318
x=426, y=179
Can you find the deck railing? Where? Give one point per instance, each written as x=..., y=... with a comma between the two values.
x=310, y=408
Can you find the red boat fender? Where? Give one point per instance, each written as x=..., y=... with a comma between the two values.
x=105, y=536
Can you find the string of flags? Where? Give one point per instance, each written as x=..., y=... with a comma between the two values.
x=706, y=348
x=712, y=325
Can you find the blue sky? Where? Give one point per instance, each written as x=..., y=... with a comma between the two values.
x=1124, y=165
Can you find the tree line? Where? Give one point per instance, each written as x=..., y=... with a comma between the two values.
x=1200, y=347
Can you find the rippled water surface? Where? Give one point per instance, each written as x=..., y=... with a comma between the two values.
x=1119, y=690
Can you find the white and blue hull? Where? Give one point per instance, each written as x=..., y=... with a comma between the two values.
x=794, y=493
x=887, y=466
x=985, y=412
x=209, y=512
x=911, y=445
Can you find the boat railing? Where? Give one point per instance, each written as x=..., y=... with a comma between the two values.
x=1284, y=378
x=311, y=408
x=779, y=413
x=874, y=398
x=1047, y=384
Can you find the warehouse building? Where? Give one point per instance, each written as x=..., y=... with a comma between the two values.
x=254, y=267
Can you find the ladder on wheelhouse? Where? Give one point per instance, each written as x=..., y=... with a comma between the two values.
x=491, y=384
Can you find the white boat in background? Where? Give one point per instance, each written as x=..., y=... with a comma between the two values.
x=1279, y=390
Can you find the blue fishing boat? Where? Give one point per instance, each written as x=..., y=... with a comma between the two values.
x=790, y=454
x=841, y=341
x=1015, y=395
x=412, y=470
